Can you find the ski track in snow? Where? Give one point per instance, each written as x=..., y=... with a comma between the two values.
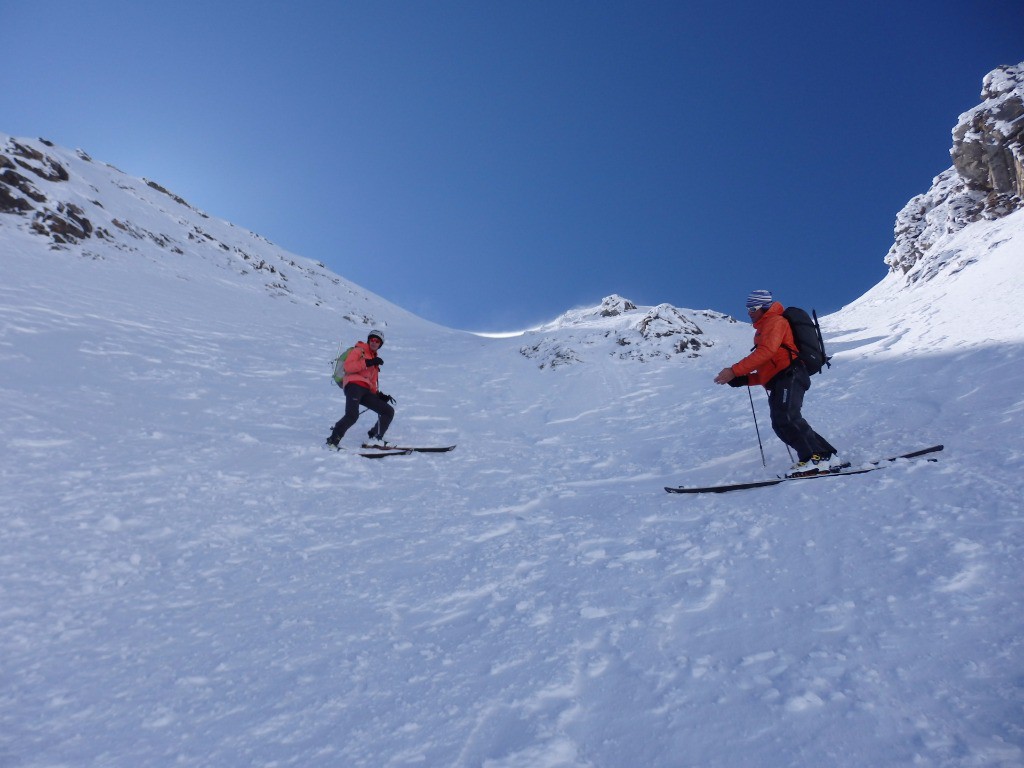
x=188, y=578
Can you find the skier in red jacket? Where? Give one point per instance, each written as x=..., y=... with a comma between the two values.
x=774, y=365
x=362, y=368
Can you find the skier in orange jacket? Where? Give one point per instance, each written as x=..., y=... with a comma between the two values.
x=774, y=365
x=362, y=369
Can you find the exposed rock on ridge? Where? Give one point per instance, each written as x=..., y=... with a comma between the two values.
x=985, y=182
x=99, y=212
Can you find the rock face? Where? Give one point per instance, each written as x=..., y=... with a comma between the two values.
x=987, y=178
x=988, y=142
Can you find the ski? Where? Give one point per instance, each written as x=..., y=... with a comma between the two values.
x=413, y=449
x=881, y=463
x=375, y=454
x=385, y=452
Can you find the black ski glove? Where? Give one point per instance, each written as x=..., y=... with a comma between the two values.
x=374, y=362
x=738, y=381
x=386, y=398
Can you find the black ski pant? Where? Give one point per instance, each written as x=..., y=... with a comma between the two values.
x=355, y=397
x=785, y=400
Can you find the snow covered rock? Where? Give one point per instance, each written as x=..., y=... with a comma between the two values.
x=618, y=328
x=610, y=306
x=986, y=181
x=988, y=141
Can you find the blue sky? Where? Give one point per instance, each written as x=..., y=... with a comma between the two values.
x=489, y=165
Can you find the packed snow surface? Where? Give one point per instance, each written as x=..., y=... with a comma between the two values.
x=189, y=578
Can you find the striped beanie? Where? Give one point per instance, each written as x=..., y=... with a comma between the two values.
x=758, y=299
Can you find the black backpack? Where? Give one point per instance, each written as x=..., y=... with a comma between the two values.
x=810, y=348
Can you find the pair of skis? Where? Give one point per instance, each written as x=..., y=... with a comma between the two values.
x=379, y=452
x=871, y=467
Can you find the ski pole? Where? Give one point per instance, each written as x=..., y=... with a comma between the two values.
x=756, y=428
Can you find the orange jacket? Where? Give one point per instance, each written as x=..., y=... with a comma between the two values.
x=356, y=370
x=773, y=340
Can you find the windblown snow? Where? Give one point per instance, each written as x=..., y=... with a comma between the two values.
x=187, y=577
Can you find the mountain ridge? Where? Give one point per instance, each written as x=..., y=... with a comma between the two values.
x=70, y=202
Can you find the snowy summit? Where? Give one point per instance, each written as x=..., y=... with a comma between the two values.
x=188, y=577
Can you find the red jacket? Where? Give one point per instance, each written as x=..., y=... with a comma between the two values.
x=773, y=340
x=356, y=369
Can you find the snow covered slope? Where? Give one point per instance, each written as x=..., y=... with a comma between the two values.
x=188, y=578
x=969, y=299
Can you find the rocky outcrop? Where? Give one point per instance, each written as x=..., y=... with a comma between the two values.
x=615, y=305
x=66, y=224
x=618, y=328
x=988, y=142
x=24, y=171
x=985, y=182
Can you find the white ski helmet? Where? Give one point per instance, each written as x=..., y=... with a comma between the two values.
x=376, y=333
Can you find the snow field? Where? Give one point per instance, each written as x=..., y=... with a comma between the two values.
x=188, y=578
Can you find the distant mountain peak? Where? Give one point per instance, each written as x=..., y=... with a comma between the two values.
x=619, y=328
